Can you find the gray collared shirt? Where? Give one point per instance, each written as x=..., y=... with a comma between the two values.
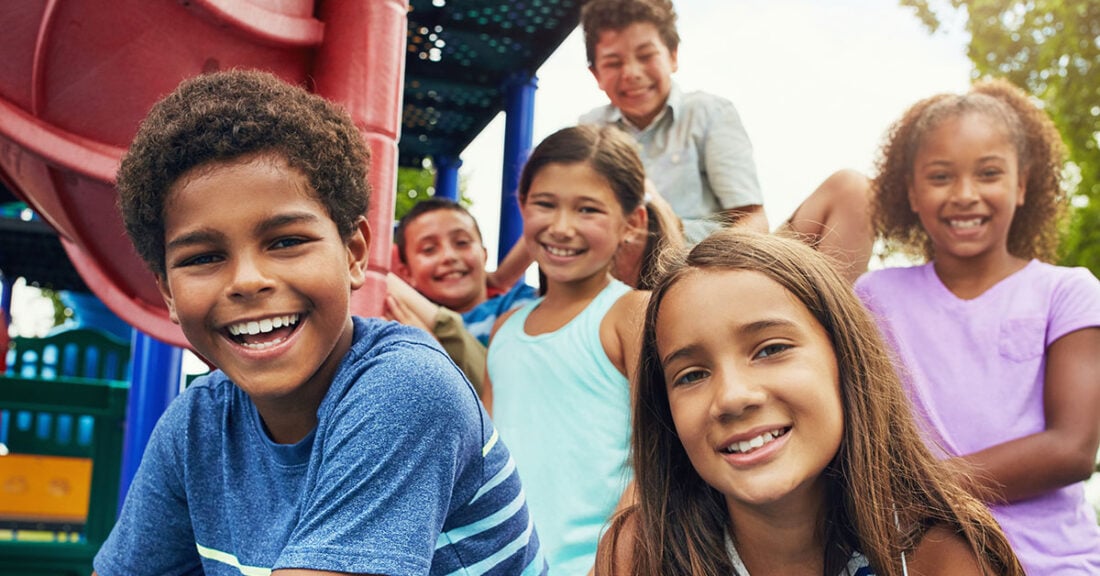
x=697, y=154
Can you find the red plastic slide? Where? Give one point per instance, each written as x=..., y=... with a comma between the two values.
x=76, y=78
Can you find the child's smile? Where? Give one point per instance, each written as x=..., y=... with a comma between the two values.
x=634, y=68
x=966, y=187
x=445, y=259
x=573, y=221
x=752, y=387
x=259, y=279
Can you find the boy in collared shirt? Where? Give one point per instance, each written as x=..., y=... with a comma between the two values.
x=694, y=146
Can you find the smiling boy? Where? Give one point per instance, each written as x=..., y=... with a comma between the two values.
x=323, y=443
x=441, y=254
x=694, y=145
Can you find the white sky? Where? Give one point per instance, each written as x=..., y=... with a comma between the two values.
x=816, y=83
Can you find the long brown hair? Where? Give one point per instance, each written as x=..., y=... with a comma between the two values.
x=1040, y=154
x=884, y=486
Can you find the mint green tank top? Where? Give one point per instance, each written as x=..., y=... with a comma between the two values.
x=563, y=410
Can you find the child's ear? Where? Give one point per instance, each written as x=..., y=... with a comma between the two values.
x=638, y=221
x=166, y=293
x=358, y=253
x=1021, y=188
x=910, y=196
x=672, y=60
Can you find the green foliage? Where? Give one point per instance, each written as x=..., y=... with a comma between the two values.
x=1050, y=48
x=416, y=184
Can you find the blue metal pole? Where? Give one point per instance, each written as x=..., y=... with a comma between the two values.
x=446, y=176
x=154, y=382
x=6, y=286
x=519, y=128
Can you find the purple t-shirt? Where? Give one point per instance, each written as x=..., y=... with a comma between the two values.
x=975, y=370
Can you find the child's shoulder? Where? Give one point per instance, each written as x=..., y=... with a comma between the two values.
x=393, y=359
x=898, y=277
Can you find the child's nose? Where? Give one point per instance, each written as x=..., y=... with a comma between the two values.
x=562, y=224
x=249, y=278
x=735, y=393
x=965, y=192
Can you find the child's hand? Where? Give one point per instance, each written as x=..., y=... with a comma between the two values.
x=397, y=310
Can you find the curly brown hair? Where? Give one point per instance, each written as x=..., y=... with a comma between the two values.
x=881, y=468
x=229, y=115
x=600, y=15
x=1034, y=232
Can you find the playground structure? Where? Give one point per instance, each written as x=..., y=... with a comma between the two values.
x=420, y=78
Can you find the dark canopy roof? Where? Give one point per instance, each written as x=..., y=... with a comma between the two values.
x=462, y=54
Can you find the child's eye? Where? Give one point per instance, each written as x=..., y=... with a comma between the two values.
x=198, y=260
x=544, y=204
x=689, y=377
x=991, y=173
x=289, y=242
x=771, y=350
x=590, y=210
x=939, y=177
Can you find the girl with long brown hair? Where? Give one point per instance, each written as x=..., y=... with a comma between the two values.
x=771, y=434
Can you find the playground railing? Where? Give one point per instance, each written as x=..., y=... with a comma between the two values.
x=60, y=451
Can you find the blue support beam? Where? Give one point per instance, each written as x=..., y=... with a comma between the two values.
x=154, y=381
x=519, y=128
x=446, y=176
x=6, y=286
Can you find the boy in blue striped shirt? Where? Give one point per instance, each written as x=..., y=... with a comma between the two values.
x=323, y=443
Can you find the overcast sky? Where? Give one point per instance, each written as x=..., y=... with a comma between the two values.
x=816, y=83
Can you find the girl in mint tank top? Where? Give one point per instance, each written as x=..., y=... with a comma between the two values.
x=559, y=367
x=1000, y=348
x=771, y=434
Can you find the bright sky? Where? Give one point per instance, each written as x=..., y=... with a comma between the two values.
x=816, y=83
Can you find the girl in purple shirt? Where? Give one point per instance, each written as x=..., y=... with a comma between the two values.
x=999, y=349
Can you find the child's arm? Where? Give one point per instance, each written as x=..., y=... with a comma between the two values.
x=731, y=171
x=512, y=268
x=615, y=553
x=1063, y=453
x=942, y=552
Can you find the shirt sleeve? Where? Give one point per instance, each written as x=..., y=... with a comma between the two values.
x=392, y=455
x=153, y=535
x=1075, y=304
x=728, y=159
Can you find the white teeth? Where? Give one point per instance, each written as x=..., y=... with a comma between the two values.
x=754, y=443
x=561, y=251
x=969, y=223
x=262, y=326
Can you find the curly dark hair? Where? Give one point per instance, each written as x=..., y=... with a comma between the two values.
x=228, y=115
x=1034, y=232
x=600, y=15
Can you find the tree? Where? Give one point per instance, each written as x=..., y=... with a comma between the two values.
x=416, y=184
x=1051, y=49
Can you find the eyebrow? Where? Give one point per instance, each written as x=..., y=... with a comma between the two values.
x=743, y=330
x=206, y=235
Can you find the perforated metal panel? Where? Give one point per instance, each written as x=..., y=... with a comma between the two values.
x=462, y=54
